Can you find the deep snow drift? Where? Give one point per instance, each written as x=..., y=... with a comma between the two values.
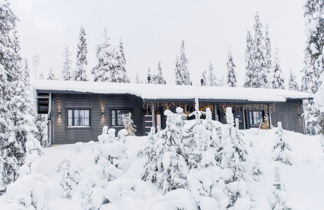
x=46, y=188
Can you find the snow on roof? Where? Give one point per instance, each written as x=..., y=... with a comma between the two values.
x=155, y=92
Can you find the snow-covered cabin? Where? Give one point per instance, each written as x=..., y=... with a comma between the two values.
x=77, y=111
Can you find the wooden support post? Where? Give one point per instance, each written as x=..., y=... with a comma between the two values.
x=243, y=116
x=216, y=115
x=153, y=114
x=269, y=117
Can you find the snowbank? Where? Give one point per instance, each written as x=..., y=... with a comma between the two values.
x=303, y=179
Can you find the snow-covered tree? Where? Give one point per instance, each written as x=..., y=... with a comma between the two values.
x=311, y=114
x=70, y=177
x=314, y=52
x=81, y=73
x=181, y=69
x=107, y=62
x=292, y=83
x=278, y=201
x=231, y=71
x=234, y=158
x=51, y=75
x=256, y=75
x=281, y=147
x=67, y=65
x=120, y=75
x=158, y=78
x=278, y=82
x=149, y=76
x=258, y=54
x=210, y=76
x=16, y=126
x=41, y=129
x=249, y=75
x=268, y=56
x=129, y=125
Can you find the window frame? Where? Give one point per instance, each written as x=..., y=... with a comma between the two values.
x=77, y=126
x=116, y=116
x=252, y=119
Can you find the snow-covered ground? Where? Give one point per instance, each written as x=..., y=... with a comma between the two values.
x=303, y=180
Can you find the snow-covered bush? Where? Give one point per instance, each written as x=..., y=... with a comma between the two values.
x=281, y=147
x=70, y=177
x=278, y=201
x=207, y=158
x=129, y=124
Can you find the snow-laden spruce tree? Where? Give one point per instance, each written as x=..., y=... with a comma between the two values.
x=250, y=77
x=129, y=125
x=314, y=21
x=292, y=83
x=234, y=160
x=16, y=119
x=281, y=147
x=258, y=55
x=181, y=69
x=231, y=71
x=313, y=59
x=209, y=76
x=278, y=201
x=311, y=115
x=165, y=163
x=106, y=61
x=70, y=177
x=158, y=78
x=67, y=65
x=256, y=75
x=119, y=75
x=41, y=129
x=278, y=82
x=268, y=56
x=80, y=73
x=51, y=75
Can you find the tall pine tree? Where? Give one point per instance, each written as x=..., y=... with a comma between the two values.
x=313, y=60
x=258, y=55
x=231, y=71
x=256, y=67
x=292, y=83
x=181, y=70
x=158, y=78
x=268, y=57
x=314, y=54
x=106, y=57
x=278, y=82
x=15, y=102
x=120, y=75
x=80, y=73
x=51, y=75
x=67, y=65
x=249, y=75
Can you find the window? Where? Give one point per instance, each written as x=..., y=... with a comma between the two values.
x=78, y=117
x=255, y=117
x=117, y=116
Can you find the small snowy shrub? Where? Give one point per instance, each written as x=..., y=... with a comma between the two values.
x=281, y=147
x=278, y=201
x=70, y=177
x=129, y=124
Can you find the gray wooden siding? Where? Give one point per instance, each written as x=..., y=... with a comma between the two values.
x=289, y=114
x=97, y=104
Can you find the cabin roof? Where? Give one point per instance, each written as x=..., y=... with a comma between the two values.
x=170, y=92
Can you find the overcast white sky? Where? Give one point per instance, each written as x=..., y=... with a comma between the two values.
x=153, y=29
